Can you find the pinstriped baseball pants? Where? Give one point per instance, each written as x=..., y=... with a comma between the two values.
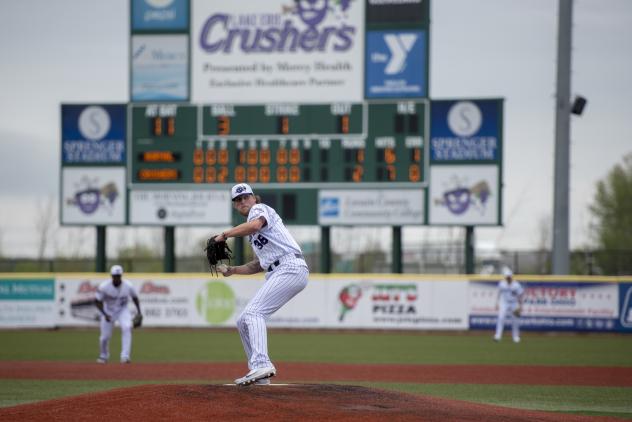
x=280, y=286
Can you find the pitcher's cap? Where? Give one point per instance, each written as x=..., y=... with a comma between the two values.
x=116, y=270
x=240, y=189
x=507, y=272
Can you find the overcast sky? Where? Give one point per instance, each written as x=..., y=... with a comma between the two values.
x=53, y=52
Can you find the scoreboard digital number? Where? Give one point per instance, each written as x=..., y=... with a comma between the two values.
x=279, y=143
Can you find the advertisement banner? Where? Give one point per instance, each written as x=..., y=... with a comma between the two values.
x=277, y=51
x=164, y=15
x=398, y=11
x=400, y=303
x=326, y=302
x=169, y=207
x=551, y=306
x=625, y=307
x=465, y=130
x=93, y=134
x=464, y=195
x=27, y=303
x=396, y=63
x=93, y=195
x=370, y=206
x=160, y=68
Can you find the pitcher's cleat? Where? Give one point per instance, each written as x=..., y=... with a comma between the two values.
x=256, y=375
x=265, y=381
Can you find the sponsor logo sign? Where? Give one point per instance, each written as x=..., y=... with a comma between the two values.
x=93, y=195
x=93, y=134
x=464, y=195
x=27, y=303
x=160, y=67
x=278, y=50
x=396, y=64
x=555, y=306
x=215, y=302
x=163, y=15
x=625, y=312
x=370, y=206
x=169, y=207
x=465, y=130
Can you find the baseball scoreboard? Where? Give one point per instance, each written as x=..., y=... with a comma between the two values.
x=275, y=144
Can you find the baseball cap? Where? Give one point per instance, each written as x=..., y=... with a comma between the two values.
x=507, y=272
x=240, y=189
x=116, y=270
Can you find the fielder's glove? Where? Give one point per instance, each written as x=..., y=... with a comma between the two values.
x=517, y=312
x=138, y=320
x=216, y=252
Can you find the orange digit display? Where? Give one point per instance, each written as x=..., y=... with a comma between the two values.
x=281, y=156
x=222, y=176
x=223, y=157
x=295, y=174
x=389, y=155
x=417, y=155
x=240, y=174
x=252, y=157
x=198, y=172
x=198, y=157
x=360, y=156
x=295, y=156
x=157, y=126
x=284, y=125
x=343, y=124
x=211, y=157
x=223, y=125
x=264, y=157
x=281, y=174
x=358, y=171
x=414, y=174
x=159, y=157
x=264, y=174
x=253, y=173
x=211, y=175
x=171, y=126
x=162, y=175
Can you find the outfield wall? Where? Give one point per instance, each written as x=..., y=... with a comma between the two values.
x=336, y=301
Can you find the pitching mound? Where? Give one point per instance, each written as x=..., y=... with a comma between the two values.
x=311, y=402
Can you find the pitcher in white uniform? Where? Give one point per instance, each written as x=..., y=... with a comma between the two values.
x=509, y=303
x=278, y=254
x=112, y=299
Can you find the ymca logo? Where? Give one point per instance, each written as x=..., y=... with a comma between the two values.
x=399, y=45
x=396, y=63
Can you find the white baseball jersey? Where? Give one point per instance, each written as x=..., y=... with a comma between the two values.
x=115, y=299
x=284, y=280
x=509, y=292
x=273, y=240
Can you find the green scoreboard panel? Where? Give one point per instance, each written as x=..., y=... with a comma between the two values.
x=306, y=145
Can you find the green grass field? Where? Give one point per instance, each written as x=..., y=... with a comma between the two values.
x=337, y=347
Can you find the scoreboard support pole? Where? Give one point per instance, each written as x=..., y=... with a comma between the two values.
x=325, y=250
x=170, y=255
x=100, y=255
x=396, y=259
x=469, y=249
x=239, y=250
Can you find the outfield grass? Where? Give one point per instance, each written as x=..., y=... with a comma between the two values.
x=390, y=348
x=154, y=345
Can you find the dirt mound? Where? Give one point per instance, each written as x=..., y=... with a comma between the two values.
x=311, y=402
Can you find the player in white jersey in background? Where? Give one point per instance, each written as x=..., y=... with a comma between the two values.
x=112, y=300
x=278, y=254
x=509, y=303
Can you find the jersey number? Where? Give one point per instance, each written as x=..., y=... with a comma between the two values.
x=260, y=241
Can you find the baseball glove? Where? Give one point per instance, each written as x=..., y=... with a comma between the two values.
x=216, y=252
x=517, y=312
x=137, y=321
